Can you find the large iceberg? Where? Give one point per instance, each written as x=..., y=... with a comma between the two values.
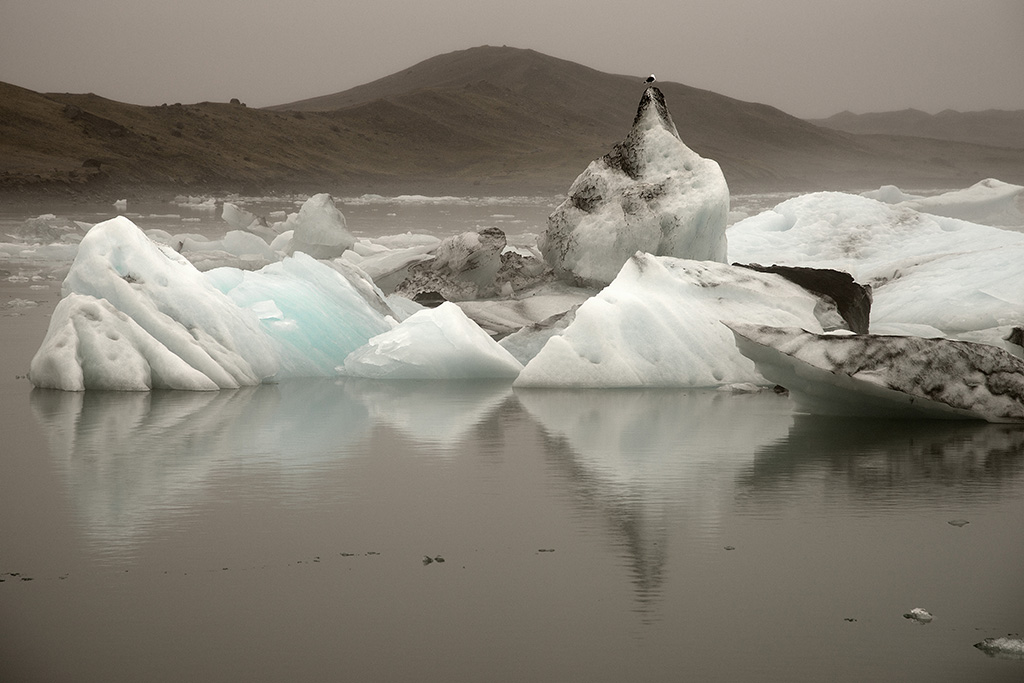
x=650, y=193
x=888, y=376
x=138, y=304
x=929, y=274
x=137, y=315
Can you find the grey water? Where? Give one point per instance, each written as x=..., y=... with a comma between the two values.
x=344, y=530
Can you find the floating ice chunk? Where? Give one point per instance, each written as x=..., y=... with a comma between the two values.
x=919, y=615
x=315, y=315
x=464, y=267
x=650, y=193
x=1010, y=646
x=196, y=203
x=121, y=205
x=165, y=296
x=926, y=270
x=880, y=376
x=388, y=266
x=320, y=229
x=658, y=324
x=435, y=343
x=989, y=202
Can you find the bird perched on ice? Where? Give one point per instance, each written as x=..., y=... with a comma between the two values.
x=650, y=79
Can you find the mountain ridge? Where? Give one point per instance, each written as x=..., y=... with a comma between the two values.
x=487, y=119
x=991, y=127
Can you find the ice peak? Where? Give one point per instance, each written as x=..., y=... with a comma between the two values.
x=653, y=109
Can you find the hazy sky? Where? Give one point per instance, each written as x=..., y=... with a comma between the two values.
x=807, y=57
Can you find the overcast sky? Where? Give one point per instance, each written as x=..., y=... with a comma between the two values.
x=807, y=57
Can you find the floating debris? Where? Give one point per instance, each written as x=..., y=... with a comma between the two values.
x=958, y=522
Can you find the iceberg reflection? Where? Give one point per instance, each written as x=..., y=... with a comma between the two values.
x=890, y=461
x=132, y=459
x=641, y=462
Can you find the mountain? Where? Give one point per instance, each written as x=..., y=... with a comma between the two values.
x=484, y=120
x=992, y=127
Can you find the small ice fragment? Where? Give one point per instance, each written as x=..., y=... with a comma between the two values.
x=958, y=522
x=919, y=614
x=1009, y=646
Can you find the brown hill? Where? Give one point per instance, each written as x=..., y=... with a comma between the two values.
x=992, y=127
x=484, y=120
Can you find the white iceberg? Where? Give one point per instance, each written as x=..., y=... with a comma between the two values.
x=657, y=324
x=945, y=273
x=651, y=193
x=888, y=376
x=318, y=229
x=435, y=343
x=173, y=310
x=989, y=202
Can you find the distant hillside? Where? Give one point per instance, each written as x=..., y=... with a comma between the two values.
x=993, y=127
x=484, y=120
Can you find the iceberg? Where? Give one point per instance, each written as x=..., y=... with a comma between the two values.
x=464, y=267
x=318, y=229
x=1010, y=646
x=435, y=343
x=650, y=193
x=944, y=273
x=129, y=305
x=313, y=313
x=989, y=202
x=657, y=324
x=887, y=376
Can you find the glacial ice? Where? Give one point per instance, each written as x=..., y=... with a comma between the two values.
x=951, y=275
x=435, y=343
x=990, y=202
x=887, y=376
x=172, y=305
x=651, y=193
x=137, y=315
x=318, y=229
x=657, y=324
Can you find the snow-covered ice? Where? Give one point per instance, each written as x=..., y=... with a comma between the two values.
x=990, y=201
x=944, y=273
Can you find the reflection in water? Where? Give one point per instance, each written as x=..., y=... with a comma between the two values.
x=438, y=413
x=132, y=458
x=643, y=459
x=889, y=460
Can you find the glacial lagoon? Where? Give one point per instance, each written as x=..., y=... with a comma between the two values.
x=355, y=530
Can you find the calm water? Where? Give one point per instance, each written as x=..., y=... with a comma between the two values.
x=280, y=533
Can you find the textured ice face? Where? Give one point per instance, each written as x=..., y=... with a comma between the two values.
x=658, y=324
x=173, y=309
x=435, y=343
x=888, y=376
x=947, y=274
x=650, y=193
